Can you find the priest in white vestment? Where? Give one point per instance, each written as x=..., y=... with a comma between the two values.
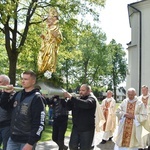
x=131, y=113
x=145, y=98
x=109, y=108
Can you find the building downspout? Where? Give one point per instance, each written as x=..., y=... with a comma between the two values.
x=140, y=48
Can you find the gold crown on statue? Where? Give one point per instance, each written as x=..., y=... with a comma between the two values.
x=53, y=12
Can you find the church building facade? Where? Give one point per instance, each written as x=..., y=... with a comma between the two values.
x=138, y=73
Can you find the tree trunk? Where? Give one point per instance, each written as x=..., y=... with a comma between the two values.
x=85, y=72
x=67, y=75
x=114, y=84
x=12, y=68
x=115, y=95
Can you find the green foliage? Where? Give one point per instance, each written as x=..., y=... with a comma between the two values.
x=7, y=9
x=93, y=58
x=118, y=66
x=3, y=57
x=118, y=62
x=19, y=18
x=97, y=89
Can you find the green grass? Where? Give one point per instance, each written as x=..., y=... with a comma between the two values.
x=47, y=133
x=117, y=104
x=69, y=128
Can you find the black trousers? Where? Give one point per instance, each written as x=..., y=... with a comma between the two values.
x=59, y=129
x=81, y=140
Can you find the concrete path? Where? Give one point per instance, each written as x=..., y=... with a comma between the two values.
x=50, y=145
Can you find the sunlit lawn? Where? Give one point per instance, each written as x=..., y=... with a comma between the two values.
x=117, y=104
x=47, y=133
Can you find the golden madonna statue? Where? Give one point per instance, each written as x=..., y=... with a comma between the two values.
x=47, y=57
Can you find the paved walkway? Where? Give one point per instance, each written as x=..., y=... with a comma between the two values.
x=50, y=145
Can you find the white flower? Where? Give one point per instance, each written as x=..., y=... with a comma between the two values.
x=48, y=74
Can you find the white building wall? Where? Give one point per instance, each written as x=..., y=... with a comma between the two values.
x=133, y=53
x=133, y=68
x=133, y=49
x=146, y=45
x=134, y=23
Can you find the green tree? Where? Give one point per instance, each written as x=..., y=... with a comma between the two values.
x=118, y=65
x=94, y=54
x=85, y=58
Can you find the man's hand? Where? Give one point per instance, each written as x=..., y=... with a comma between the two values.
x=105, y=108
x=27, y=147
x=67, y=95
x=130, y=116
x=9, y=88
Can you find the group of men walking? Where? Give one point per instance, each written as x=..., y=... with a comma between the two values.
x=22, y=117
x=27, y=115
